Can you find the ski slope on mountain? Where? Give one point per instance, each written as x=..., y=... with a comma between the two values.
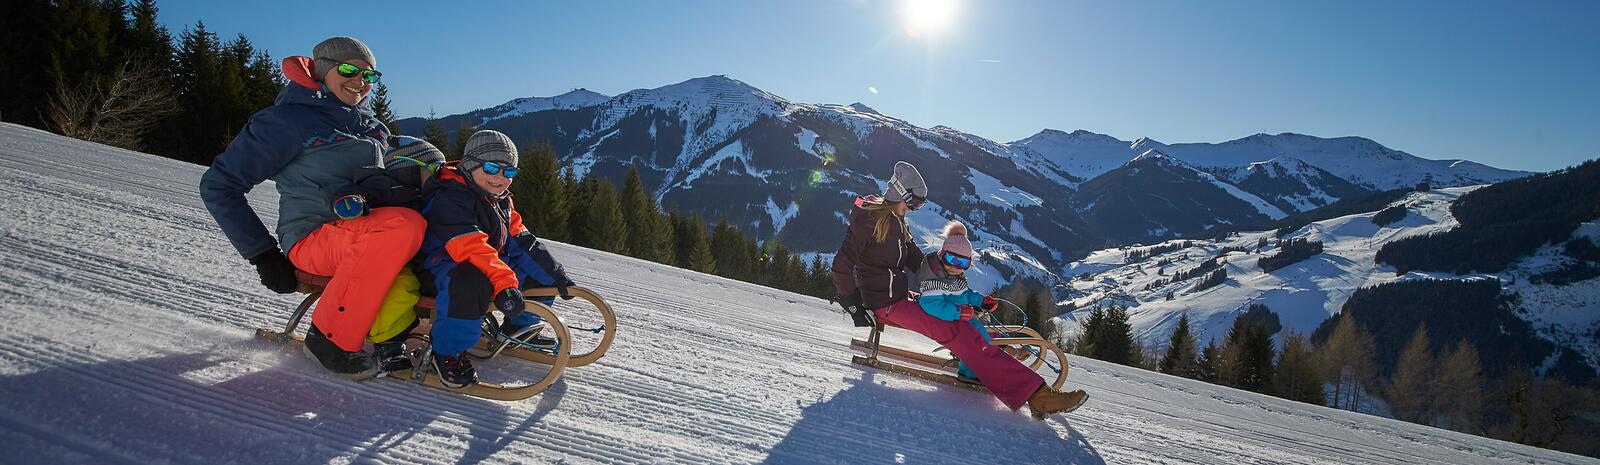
x=126, y=327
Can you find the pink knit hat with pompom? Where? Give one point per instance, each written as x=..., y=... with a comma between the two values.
x=955, y=239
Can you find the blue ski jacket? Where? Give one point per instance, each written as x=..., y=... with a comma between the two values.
x=310, y=144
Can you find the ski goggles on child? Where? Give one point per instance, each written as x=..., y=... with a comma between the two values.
x=955, y=260
x=349, y=71
x=494, y=167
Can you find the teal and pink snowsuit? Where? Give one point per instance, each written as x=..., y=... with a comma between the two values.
x=878, y=270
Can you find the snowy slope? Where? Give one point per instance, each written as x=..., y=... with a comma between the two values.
x=1307, y=292
x=125, y=337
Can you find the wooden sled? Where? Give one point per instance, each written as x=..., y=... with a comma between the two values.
x=1029, y=347
x=558, y=358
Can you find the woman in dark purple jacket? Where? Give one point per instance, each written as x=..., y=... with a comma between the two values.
x=870, y=272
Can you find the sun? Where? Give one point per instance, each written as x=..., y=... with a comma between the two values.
x=927, y=17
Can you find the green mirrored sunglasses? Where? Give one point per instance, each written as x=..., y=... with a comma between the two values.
x=349, y=70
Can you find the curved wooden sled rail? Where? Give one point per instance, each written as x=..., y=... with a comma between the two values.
x=608, y=333
x=557, y=363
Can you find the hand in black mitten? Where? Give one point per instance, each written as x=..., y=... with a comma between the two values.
x=276, y=271
x=509, y=302
x=561, y=288
x=859, y=314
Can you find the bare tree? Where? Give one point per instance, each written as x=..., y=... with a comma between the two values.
x=117, y=113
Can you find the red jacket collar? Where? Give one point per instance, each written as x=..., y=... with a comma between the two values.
x=299, y=71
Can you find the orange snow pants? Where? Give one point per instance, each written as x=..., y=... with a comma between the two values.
x=363, y=256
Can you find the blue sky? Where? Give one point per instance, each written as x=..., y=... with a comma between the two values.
x=1510, y=84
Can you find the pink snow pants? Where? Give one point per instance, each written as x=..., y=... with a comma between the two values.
x=363, y=256
x=1006, y=377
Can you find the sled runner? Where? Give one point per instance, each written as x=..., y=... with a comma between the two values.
x=493, y=344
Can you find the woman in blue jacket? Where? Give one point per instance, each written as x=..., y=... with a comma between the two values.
x=310, y=143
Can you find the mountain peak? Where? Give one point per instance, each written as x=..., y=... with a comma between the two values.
x=1151, y=154
x=862, y=107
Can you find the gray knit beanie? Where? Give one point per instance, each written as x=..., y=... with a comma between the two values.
x=333, y=51
x=488, y=145
x=905, y=181
x=410, y=151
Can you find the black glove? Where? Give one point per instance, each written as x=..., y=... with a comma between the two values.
x=509, y=302
x=561, y=288
x=276, y=271
x=859, y=314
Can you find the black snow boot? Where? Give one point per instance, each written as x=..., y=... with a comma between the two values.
x=455, y=372
x=391, y=356
x=349, y=365
x=530, y=334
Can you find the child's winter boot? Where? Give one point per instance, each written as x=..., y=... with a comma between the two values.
x=1046, y=401
x=455, y=372
x=349, y=365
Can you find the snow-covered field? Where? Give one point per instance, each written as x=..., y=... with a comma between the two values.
x=126, y=327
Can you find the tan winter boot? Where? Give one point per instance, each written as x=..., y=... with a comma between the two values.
x=1046, y=401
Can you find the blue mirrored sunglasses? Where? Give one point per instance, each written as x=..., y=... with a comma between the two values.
x=955, y=260
x=493, y=167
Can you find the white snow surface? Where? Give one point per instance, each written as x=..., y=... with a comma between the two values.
x=126, y=326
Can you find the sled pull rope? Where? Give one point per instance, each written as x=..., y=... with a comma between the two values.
x=1036, y=352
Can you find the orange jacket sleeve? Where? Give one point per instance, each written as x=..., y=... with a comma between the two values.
x=474, y=248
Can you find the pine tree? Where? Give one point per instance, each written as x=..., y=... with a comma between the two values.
x=84, y=48
x=649, y=234
x=578, y=195
x=777, y=263
x=732, y=259
x=700, y=257
x=1461, y=377
x=1299, y=376
x=381, y=108
x=434, y=134
x=1180, y=357
x=1409, y=391
x=1109, y=336
x=210, y=92
x=1247, y=357
x=661, y=237
x=821, y=278
x=31, y=36
x=537, y=191
x=1206, y=367
x=604, y=227
x=459, y=143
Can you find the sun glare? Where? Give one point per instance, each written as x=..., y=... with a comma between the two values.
x=927, y=17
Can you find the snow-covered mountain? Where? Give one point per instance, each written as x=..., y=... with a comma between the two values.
x=126, y=326
x=787, y=170
x=1155, y=196
x=1311, y=290
x=1291, y=184
x=1358, y=160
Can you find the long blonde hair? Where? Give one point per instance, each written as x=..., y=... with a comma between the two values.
x=884, y=212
